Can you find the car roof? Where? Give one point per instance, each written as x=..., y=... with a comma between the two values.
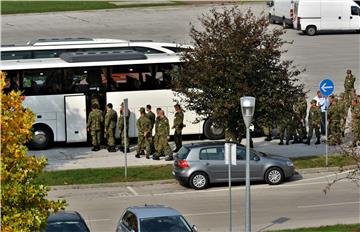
x=65, y=216
x=151, y=211
x=208, y=144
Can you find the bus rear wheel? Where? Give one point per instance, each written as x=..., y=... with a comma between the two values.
x=211, y=131
x=42, y=137
x=311, y=30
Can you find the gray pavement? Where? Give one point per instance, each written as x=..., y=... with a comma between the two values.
x=327, y=55
x=65, y=158
x=297, y=203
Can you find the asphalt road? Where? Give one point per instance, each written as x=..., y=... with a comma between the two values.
x=298, y=203
x=327, y=55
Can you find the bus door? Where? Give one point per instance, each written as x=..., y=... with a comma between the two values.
x=75, y=118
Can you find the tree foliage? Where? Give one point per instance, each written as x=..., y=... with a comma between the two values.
x=236, y=54
x=24, y=206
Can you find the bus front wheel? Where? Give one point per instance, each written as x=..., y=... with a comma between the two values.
x=311, y=30
x=211, y=131
x=42, y=137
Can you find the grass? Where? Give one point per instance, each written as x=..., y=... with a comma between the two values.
x=19, y=7
x=336, y=228
x=319, y=161
x=106, y=175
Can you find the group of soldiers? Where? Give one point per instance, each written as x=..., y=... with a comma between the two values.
x=337, y=108
x=147, y=144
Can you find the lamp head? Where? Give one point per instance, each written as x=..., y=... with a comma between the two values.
x=247, y=109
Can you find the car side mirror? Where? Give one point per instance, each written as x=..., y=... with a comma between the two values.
x=194, y=228
x=256, y=158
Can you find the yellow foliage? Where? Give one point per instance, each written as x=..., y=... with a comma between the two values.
x=24, y=206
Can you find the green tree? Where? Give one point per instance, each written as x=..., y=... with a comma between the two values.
x=235, y=54
x=24, y=206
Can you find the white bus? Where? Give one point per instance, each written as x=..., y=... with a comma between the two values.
x=53, y=47
x=60, y=91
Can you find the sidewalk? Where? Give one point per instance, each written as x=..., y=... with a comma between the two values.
x=65, y=158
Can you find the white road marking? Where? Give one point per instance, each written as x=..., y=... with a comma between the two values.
x=332, y=204
x=132, y=191
x=98, y=220
x=208, y=213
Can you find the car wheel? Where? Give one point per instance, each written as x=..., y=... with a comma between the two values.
x=42, y=137
x=274, y=176
x=199, y=180
x=311, y=30
x=213, y=132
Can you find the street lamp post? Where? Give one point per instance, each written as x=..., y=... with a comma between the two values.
x=247, y=109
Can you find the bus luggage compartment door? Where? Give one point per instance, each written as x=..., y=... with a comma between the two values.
x=75, y=113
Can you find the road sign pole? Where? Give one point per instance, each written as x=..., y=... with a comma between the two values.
x=326, y=132
x=125, y=113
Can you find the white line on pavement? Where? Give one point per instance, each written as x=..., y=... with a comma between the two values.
x=98, y=220
x=208, y=213
x=333, y=204
x=132, y=191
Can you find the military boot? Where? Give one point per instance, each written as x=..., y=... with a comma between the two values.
x=317, y=141
x=281, y=142
x=156, y=157
x=112, y=149
x=169, y=158
x=94, y=148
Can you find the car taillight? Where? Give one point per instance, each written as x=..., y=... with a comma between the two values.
x=183, y=164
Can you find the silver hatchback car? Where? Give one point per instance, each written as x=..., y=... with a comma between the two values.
x=200, y=164
x=153, y=218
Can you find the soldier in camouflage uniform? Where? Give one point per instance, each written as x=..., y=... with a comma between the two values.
x=150, y=115
x=284, y=125
x=178, y=126
x=144, y=134
x=124, y=141
x=334, y=119
x=109, y=127
x=314, y=121
x=162, y=132
x=300, y=109
x=94, y=124
x=355, y=114
x=343, y=110
x=349, y=86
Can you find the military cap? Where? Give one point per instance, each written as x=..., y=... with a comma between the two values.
x=348, y=71
x=313, y=101
x=142, y=110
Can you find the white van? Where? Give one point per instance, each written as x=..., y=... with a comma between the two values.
x=281, y=11
x=312, y=16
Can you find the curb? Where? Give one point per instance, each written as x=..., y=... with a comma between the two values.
x=173, y=181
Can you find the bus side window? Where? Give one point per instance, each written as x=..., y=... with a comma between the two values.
x=11, y=82
x=40, y=82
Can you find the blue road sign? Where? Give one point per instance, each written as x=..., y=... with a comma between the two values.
x=326, y=87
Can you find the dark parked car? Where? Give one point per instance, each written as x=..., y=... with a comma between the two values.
x=201, y=164
x=66, y=221
x=153, y=218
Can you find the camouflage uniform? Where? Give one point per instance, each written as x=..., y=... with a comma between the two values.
x=299, y=120
x=124, y=141
x=356, y=123
x=314, y=121
x=94, y=124
x=162, y=131
x=144, y=127
x=334, y=118
x=343, y=110
x=282, y=126
x=349, y=86
x=110, y=125
x=178, y=125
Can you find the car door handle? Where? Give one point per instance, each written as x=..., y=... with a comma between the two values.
x=350, y=17
x=339, y=17
x=207, y=163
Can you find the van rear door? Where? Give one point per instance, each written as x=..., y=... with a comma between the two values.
x=354, y=23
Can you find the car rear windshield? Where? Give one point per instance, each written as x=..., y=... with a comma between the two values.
x=183, y=153
x=165, y=224
x=66, y=226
